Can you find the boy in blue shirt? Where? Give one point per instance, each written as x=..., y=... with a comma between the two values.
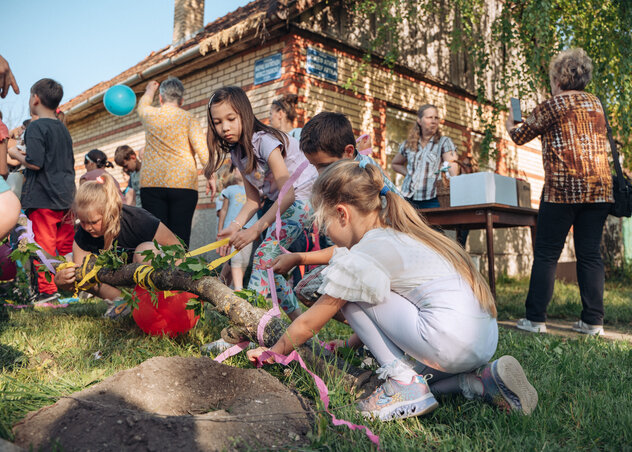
x=125, y=157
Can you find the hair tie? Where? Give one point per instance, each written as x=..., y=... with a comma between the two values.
x=99, y=180
x=384, y=190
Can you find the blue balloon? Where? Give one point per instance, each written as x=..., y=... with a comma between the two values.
x=119, y=100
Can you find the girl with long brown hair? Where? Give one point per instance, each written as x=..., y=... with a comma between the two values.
x=267, y=159
x=411, y=295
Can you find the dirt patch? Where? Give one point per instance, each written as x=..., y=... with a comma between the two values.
x=172, y=404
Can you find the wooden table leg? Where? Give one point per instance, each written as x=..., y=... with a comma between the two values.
x=489, y=226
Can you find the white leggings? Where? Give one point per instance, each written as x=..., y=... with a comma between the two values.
x=397, y=327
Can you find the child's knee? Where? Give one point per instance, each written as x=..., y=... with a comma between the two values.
x=145, y=246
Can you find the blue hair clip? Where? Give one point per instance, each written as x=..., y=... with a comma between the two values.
x=384, y=190
x=364, y=163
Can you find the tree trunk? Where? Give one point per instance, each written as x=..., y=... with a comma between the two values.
x=243, y=316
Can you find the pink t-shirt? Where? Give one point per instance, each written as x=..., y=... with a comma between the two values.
x=263, y=179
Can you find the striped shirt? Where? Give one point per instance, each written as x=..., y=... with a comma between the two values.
x=575, y=148
x=422, y=165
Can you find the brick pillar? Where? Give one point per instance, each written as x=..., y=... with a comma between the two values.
x=188, y=19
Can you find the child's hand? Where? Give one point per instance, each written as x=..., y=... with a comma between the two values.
x=285, y=262
x=211, y=186
x=243, y=237
x=228, y=231
x=224, y=250
x=253, y=355
x=65, y=276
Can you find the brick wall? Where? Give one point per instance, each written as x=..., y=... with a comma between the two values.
x=376, y=90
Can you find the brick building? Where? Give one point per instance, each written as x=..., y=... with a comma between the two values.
x=312, y=48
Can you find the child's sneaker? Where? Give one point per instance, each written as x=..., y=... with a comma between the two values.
x=585, y=328
x=396, y=400
x=44, y=299
x=533, y=327
x=117, y=309
x=505, y=385
x=215, y=348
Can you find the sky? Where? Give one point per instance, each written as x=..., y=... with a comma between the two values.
x=80, y=43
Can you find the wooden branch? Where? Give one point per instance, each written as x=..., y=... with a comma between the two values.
x=243, y=316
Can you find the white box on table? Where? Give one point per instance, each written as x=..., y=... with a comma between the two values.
x=482, y=188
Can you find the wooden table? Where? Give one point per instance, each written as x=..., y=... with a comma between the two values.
x=484, y=216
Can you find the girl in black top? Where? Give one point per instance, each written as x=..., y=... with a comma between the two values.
x=103, y=220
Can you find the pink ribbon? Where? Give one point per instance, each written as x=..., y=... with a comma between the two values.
x=30, y=237
x=322, y=391
x=282, y=193
x=275, y=312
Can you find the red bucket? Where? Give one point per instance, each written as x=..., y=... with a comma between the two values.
x=170, y=316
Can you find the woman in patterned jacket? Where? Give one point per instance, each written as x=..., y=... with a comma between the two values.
x=577, y=189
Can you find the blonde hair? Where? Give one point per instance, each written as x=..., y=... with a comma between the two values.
x=225, y=176
x=571, y=69
x=345, y=182
x=103, y=196
x=414, y=133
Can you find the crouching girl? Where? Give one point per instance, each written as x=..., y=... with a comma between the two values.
x=411, y=295
x=104, y=221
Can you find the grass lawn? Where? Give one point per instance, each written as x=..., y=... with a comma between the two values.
x=585, y=385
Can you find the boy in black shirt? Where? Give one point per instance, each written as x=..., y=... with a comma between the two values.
x=49, y=182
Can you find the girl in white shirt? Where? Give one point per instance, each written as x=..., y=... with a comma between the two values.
x=411, y=295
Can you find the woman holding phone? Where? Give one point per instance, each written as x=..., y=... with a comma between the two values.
x=577, y=189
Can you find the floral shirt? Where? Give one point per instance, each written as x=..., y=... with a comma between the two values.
x=575, y=148
x=173, y=138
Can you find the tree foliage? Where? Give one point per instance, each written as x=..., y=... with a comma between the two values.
x=525, y=34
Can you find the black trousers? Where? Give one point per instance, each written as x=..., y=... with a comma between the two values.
x=173, y=206
x=554, y=222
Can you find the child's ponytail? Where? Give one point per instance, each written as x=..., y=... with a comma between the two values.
x=101, y=195
x=363, y=187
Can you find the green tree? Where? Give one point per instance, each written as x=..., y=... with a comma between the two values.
x=530, y=32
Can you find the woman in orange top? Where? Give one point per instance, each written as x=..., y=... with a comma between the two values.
x=174, y=137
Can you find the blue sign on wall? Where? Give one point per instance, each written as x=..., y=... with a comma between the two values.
x=322, y=64
x=268, y=68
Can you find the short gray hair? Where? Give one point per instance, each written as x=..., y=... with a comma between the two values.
x=571, y=69
x=172, y=90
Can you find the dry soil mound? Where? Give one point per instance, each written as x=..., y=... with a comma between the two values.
x=182, y=404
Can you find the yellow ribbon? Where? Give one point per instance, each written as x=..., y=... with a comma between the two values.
x=142, y=277
x=219, y=261
x=85, y=278
x=210, y=247
x=206, y=248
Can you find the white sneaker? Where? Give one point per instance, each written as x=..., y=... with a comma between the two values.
x=585, y=328
x=532, y=327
